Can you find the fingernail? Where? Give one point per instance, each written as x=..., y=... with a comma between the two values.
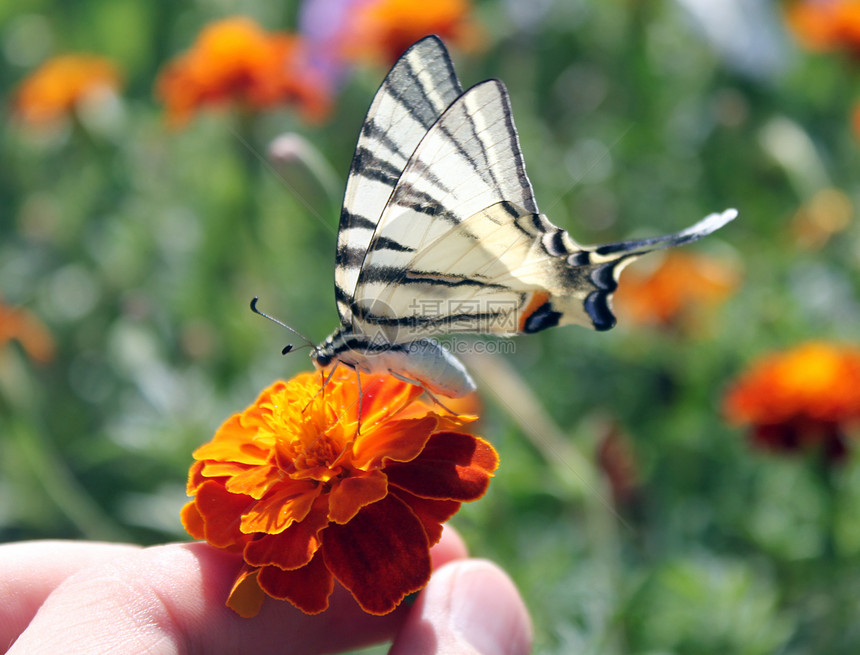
x=487, y=611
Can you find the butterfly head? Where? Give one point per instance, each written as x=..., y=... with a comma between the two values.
x=329, y=350
x=320, y=358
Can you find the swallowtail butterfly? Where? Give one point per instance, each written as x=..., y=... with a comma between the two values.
x=440, y=233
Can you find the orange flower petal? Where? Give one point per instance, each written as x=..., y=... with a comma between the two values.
x=246, y=597
x=277, y=512
x=308, y=588
x=348, y=497
x=192, y=520
x=382, y=397
x=195, y=478
x=220, y=511
x=232, y=443
x=453, y=466
x=292, y=548
x=254, y=482
x=212, y=469
x=381, y=556
x=398, y=441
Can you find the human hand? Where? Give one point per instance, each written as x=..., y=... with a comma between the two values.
x=78, y=597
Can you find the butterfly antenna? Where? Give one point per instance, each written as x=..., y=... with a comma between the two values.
x=289, y=347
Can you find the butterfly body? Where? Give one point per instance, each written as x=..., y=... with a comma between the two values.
x=422, y=361
x=440, y=233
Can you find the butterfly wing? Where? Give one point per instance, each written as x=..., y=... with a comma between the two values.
x=460, y=246
x=419, y=87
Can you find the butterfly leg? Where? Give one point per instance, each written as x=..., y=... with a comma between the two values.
x=323, y=386
x=418, y=383
x=360, y=399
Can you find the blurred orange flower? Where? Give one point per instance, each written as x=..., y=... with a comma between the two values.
x=384, y=29
x=57, y=87
x=682, y=283
x=803, y=398
x=292, y=485
x=826, y=25
x=29, y=331
x=235, y=61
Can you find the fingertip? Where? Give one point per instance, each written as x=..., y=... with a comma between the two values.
x=469, y=606
x=450, y=547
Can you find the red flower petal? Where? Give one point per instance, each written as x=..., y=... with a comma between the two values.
x=308, y=588
x=431, y=513
x=381, y=556
x=348, y=497
x=292, y=548
x=452, y=466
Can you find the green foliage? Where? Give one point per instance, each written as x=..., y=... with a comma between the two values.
x=140, y=248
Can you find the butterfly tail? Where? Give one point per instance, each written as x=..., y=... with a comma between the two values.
x=636, y=247
x=591, y=275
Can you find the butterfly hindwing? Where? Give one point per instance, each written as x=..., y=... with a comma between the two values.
x=420, y=86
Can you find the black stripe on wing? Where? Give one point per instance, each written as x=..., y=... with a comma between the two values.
x=416, y=91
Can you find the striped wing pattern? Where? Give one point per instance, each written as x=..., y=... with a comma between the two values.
x=432, y=241
x=440, y=233
x=420, y=86
x=460, y=246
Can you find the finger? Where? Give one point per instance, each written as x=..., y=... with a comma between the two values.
x=30, y=570
x=469, y=607
x=170, y=599
x=450, y=547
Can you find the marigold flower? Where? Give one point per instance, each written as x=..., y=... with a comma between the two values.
x=57, y=87
x=826, y=25
x=235, y=61
x=802, y=398
x=29, y=331
x=682, y=283
x=384, y=29
x=306, y=498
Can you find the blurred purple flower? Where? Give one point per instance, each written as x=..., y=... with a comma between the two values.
x=323, y=23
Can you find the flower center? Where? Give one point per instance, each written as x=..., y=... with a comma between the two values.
x=321, y=452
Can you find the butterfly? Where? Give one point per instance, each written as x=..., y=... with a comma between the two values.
x=440, y=233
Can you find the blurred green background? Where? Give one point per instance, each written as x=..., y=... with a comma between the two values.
x=139, y=248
